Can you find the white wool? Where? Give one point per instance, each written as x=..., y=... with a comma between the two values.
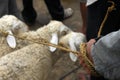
x=35, y=61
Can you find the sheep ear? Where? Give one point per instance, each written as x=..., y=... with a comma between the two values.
x=73, y=57
x=54, y=40
x=11, y=40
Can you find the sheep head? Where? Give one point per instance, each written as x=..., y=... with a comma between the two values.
x=72, y=41
x=12, y=25
x=62, y=34
x=57, y=29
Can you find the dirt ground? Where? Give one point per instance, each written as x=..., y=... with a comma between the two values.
x=44, y=17
x=64, y=65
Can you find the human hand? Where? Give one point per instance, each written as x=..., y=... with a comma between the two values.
x=89, y=46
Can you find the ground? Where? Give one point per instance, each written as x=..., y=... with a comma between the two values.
x=64, y=65
x=44, y=17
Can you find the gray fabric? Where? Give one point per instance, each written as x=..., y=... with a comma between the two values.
x=106, y=56
x=9, y=7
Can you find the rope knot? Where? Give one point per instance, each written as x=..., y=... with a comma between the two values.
x=85, y=61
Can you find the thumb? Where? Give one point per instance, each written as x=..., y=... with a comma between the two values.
x=89, y=45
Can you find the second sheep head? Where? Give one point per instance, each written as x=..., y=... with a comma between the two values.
x=66, y=36
x=59, y=30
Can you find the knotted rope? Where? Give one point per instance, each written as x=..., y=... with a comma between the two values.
x=87, y=63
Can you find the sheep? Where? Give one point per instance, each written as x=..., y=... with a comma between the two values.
x=35, y=61
x=18, y=28
x=53, y=28
x=72, y=41
x=11, y=25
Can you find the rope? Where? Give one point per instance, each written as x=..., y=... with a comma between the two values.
x=85, y=62
x=106, y=16
x=41, y=41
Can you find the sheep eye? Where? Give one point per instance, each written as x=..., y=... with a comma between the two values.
x=64, y=33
